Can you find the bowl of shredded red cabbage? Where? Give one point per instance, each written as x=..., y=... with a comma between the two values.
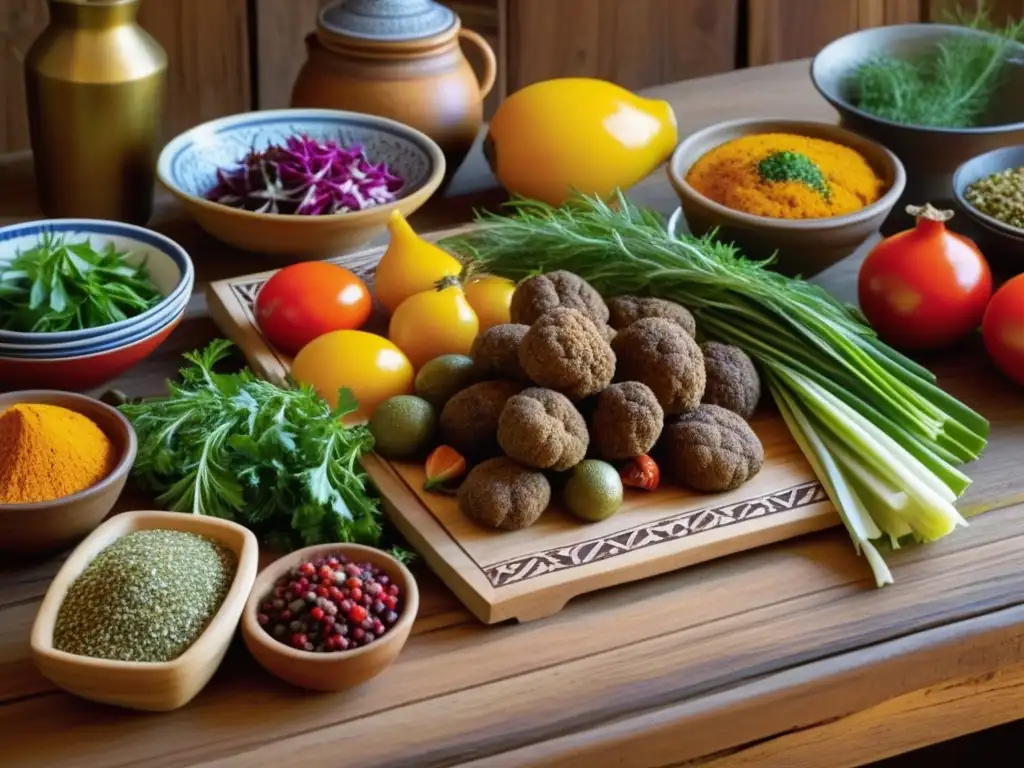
x=300, y=182
x=304, y=176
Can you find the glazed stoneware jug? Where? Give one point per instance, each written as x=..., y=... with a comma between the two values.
x=399, y=59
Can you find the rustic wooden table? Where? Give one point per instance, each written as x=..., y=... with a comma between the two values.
x=784, y=656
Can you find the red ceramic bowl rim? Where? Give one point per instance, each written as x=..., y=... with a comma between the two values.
x=54, y=360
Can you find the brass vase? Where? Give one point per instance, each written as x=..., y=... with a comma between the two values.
x=95, y=82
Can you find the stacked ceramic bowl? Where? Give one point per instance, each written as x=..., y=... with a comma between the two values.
x=83, y=359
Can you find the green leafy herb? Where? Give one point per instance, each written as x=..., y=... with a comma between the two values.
x=60, y=286
x=951, y=87
x=883, y=438
x=794, y=166
x=278, y=461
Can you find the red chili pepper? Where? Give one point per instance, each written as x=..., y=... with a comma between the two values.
x=641, y=472
x=443, y=464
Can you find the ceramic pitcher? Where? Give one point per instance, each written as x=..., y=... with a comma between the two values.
x=399, y=59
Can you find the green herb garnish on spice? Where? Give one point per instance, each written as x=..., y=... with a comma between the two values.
x=146, y=597
x=276, y=460
x=61, y=286
x=951, y=87
x=884, y=440
x=793, y=166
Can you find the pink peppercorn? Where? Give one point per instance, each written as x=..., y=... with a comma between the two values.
x=331, y=604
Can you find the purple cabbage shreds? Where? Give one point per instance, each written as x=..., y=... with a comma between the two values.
x=307, y=178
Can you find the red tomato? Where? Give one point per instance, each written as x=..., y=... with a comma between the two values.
x=1003, y=329
x=924, y=288
x=307, y=300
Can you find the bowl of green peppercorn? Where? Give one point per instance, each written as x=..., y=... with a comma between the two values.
x=990, y=189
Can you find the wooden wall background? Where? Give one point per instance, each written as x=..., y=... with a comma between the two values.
x=228, y=56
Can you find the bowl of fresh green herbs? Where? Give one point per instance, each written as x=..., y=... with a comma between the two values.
x=71, y=287
x=935, y=94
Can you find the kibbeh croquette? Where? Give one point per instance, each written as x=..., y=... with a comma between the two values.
x=500, y=493
x=565, y=351
x=542, y=428
x=660, y=354
x=627, y=421
x=495, y=352
x=537, y=295
x=710, y=449
x=732, y=380
x=623, y=311
x=469, y=420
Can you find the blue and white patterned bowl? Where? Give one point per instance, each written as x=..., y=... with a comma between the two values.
x=168, y=265
x=188, y=167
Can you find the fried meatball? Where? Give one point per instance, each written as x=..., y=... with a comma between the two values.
x=499, y=493
x=469, y=421
x=660, y=354
x=627, y=421
x=542, y=428
x=495, y=352
x=732, y=380
x=537, y=295
x=623, y=311
x=710, y=449
x=564, y=351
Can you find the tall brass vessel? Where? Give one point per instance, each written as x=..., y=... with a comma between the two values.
x=96, y=82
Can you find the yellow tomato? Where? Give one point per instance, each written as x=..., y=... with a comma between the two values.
x=368, y=364
x=433, y=323
x=490, y=297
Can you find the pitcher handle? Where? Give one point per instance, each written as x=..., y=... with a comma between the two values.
x=490, y=60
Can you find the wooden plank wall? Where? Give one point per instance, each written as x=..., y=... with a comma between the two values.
x=228, y=56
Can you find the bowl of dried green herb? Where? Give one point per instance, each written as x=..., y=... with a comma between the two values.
x=143, y=611
x=935, y=94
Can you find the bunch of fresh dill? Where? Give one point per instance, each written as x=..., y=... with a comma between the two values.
x=951, y=87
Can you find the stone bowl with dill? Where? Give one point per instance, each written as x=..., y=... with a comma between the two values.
x=800, y=246
x=138, y=684
x=990, y=190
x=337, y=670
x=938, y=119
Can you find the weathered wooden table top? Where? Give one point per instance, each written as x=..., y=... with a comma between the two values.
x=786, y=655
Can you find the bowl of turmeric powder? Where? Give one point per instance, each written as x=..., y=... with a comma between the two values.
x=806, y=193
x=64, y=460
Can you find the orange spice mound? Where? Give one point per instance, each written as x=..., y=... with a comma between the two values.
x=728, y=174
x=48, y=452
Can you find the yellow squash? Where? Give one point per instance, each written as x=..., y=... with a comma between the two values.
x=555, y=136
x=410, y=265
x=436, y=322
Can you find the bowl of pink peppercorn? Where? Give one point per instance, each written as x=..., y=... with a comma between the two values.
x=330, y=617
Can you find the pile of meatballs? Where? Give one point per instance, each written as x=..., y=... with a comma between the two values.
x=575, y=377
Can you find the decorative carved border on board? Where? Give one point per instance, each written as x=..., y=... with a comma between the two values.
x=691, y=523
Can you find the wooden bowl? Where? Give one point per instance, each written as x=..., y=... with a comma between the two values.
x=930, y=155
x=188, y=168
x=152, y=686
x=51, y=525
x=804, y=246
x=338, y=670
